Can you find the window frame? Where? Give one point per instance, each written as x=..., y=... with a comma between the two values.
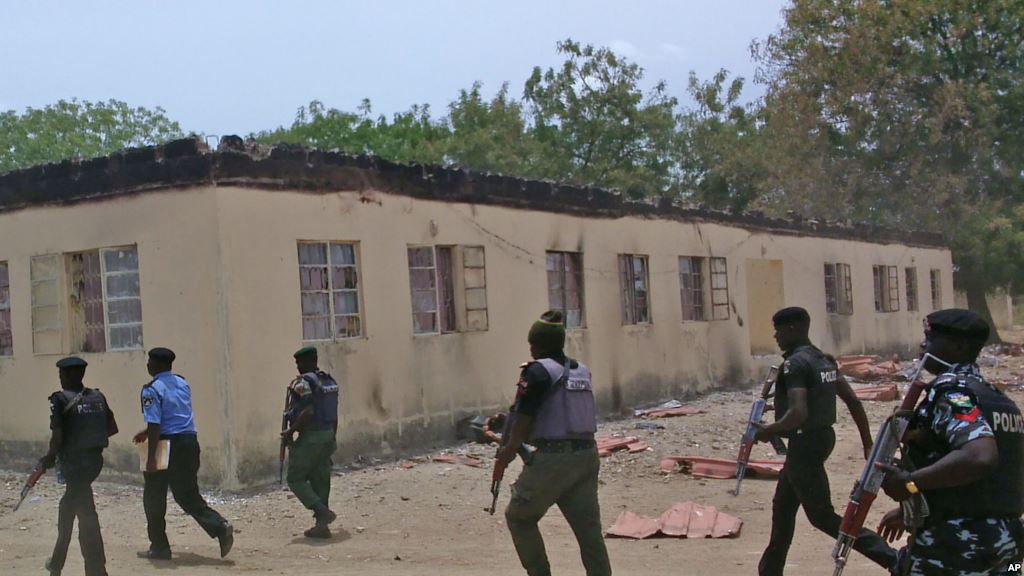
x=104, y=276
x=886, y=282
x=563, y=259
x=842, y=288
x=691, y=283
x=627, y=288
x=332, y=313
x=5, y=311
x=935, y=280
x=58, y=326
x=910, y=283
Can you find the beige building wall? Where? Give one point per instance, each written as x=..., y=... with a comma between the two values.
x=220, y=285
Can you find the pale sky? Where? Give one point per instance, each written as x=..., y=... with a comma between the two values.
x=232, y=66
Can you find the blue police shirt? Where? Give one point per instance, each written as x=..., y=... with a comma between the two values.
x=167, y=401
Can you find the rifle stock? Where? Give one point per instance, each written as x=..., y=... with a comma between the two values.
x=865, y=490
x=30, y=483
x=748, y=440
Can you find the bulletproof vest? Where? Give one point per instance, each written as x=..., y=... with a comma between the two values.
x=568, y=411
x=85, y=424
x=821, y=388
x=1001, y=493
x=325, y=400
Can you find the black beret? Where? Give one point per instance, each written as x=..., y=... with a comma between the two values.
x=958, y=322
x=791, y=315
x=305, y=351
x=164, y=354
x=72, y=362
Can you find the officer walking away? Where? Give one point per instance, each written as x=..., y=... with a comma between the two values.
x=80, y=422
x=965, y=455
x=554, y=411
x=805, y=410
x=167, y=409
x=313, y=413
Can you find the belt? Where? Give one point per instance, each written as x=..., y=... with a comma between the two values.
x=564, y=445
x=176, y=436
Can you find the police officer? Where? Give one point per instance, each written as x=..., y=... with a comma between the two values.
x=80, y=420
x=554, y=411
x=805, y=410
x=167, y=409
x=313, y=413
x=965, y=455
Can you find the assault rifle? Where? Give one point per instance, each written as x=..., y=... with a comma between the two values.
x=284, y=444
x=525, y=452
x=30, y=483
x=747, y=441
x=889, y=439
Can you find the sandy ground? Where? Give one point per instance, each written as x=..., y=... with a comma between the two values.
x=429, y=518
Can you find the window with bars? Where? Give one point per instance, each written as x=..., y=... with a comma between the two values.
x=911, y=276
x=329, y=290
x=887, y=291
x=719, y=289
x=104, y=300
x=565, y=286
x=838, y=288
x=448, y=285
x=633, y=283
x=44, y=273
x=936, y=283
x=6, y=334
x=691, y=287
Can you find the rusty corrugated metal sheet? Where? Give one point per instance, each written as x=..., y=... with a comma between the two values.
x=682, y=520
x=883, y=393
x=719, y=468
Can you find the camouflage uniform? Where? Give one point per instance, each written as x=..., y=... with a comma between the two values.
x=957, y=546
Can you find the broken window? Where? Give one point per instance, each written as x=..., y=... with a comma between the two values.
x=691, y=287
x=565, y=286
x=911, y=274
x=936, y=282
x=329, y=290
x=6, y=335
x=104, y=304
x=887, y=293
x=838, y=288
x=46, y=320
x=719, y=289
x=474, y=276
x=442, y=300
x=633, y=282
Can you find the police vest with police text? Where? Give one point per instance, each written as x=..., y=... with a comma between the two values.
x=568, y=411
x=325, y=400
x=85, y=423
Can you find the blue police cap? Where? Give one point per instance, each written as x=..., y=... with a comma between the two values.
x=165, y=354
x=72, y=362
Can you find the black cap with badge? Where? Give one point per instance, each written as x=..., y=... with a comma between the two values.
x=165, y=354
x=72, y=362
x=958, y=322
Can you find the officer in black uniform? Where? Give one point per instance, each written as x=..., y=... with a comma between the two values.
x=965, y=455
x=805, y=410
x=80, y=421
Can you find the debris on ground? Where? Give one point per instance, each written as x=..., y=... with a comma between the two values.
x=608, y=444
x=682, y=520
x=867, y=368
x=1004, y=349
x=458, y=459
x=883, y=393
x=648, y=426
x=718, y=468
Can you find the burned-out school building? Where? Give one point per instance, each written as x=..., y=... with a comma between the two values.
x=416, y=283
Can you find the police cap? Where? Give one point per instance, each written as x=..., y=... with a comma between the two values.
x=791, y=315
x=165, y=354
x=958, y=322
x=72, y=362
x=305, y=351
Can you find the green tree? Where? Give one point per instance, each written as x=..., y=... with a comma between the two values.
x=904, y=113
x=595, y=125
x=490, y=135
x=79, y=129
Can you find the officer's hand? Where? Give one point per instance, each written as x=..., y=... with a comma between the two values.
x=891, y=527
x=140, y=437
x=288, y=436
x=47, y=462
x=895, y=481
x=505, y=455
x=762, y=434
x=151, y=466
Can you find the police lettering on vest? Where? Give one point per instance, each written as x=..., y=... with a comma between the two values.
x=568, y=411
x=85, y=420
x=325, y=400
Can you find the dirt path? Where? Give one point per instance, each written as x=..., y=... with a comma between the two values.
x=430, y=519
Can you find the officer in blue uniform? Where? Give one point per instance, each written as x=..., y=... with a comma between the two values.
x=80, y=421
x=555, y=412
x=964, y=452
x=313, y=413
x=167, y=409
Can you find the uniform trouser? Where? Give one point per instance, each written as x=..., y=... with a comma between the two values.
x=80, y=471
x=568, y=479
x=804, y=482
x=180, y=476
x=983, y=546
x=309, y=467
